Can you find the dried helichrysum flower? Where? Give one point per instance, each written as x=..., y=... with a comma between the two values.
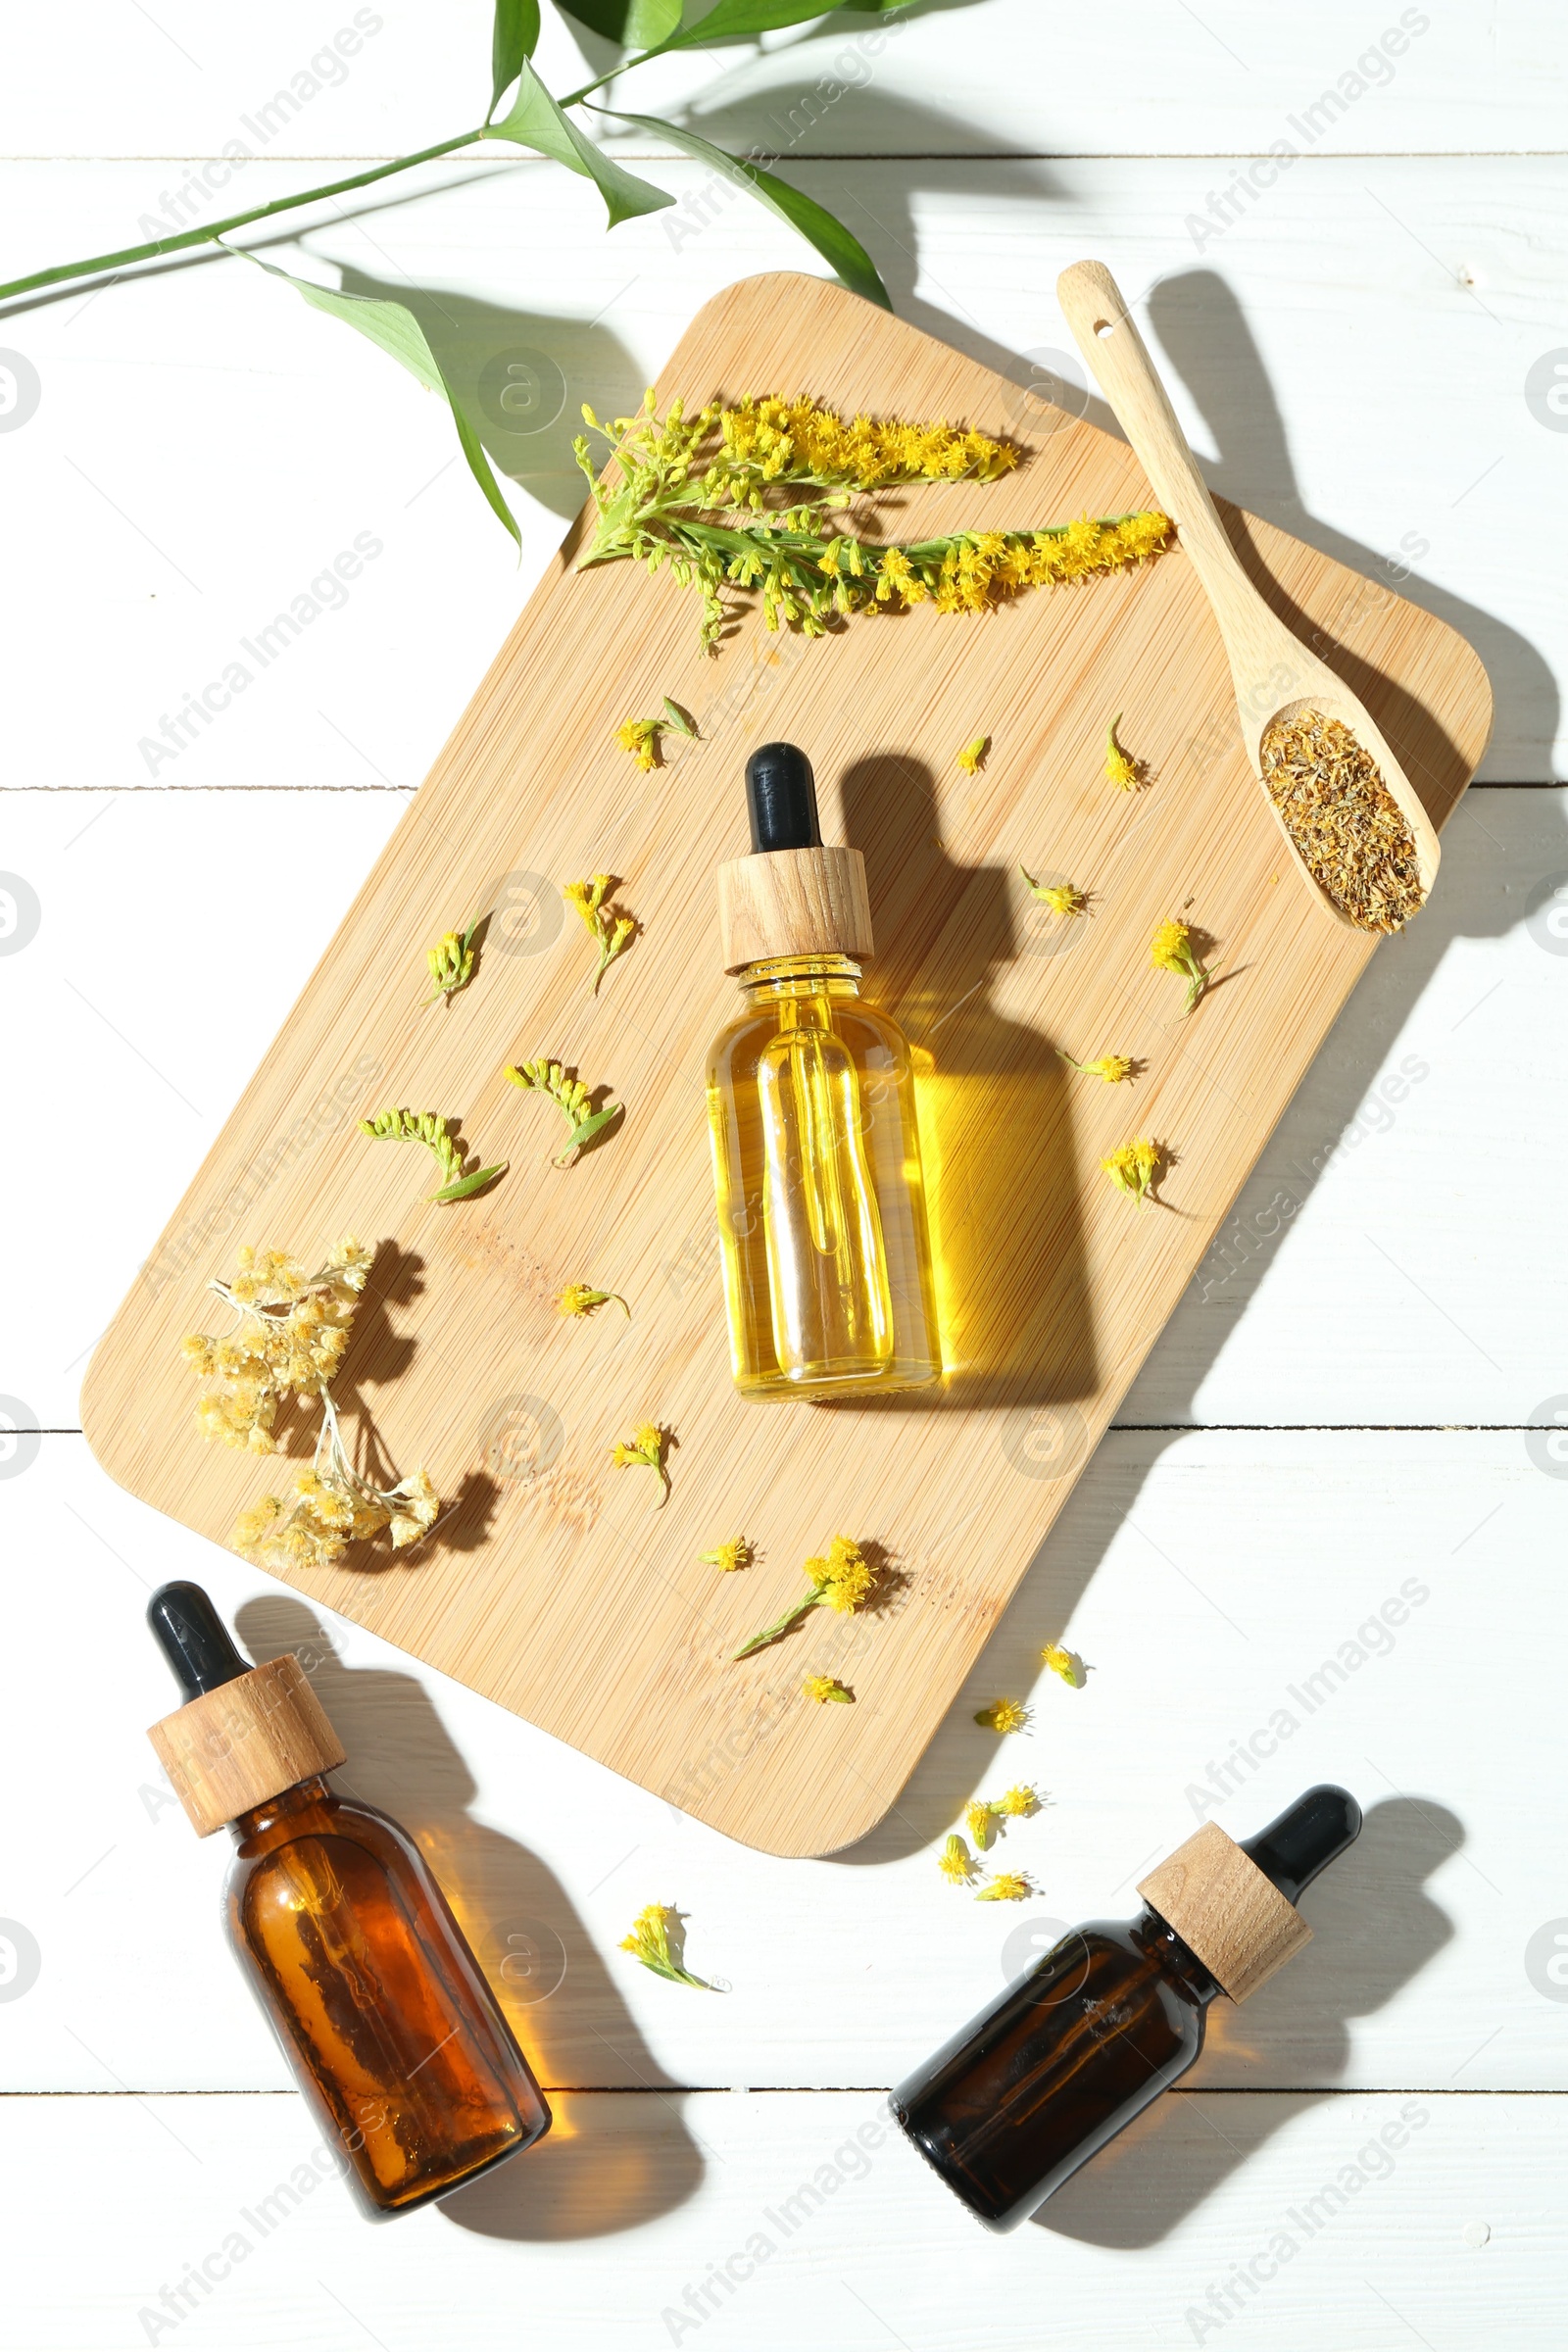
x=1135, y=1168
x=1002, y=1715
x=1171, y=950
x=439, y=1137
x=656, y=1940
x=842, y=1581
x=570, y=1097
x=780, y=470
x=646, y=1450
x=612, y=930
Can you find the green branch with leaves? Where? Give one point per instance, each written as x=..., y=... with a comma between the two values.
x=542, y=125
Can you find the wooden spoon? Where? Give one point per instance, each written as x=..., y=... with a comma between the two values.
x=1274, y=674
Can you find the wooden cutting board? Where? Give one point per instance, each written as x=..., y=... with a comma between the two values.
x=556, y=1585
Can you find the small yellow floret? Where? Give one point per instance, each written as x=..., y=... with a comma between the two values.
x=972, y=754
x=727, y=1557
x=1019, y=1804
x=1004, y=1715
x=955, y=1862
x=1124, y=772
x=826, y=1689
x=1008, y=1887
x=1064, y=1662
x=977, y=1821
x=1135, y=1168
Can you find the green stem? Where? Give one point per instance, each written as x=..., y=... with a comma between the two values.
x=188, y=237
x=789, y=1618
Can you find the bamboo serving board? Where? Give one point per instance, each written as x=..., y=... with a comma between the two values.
x=554, y=1583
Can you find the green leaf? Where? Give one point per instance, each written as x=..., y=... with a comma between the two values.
x=733, y=18
x=513, y=42
x=852, y=264
x=394, y=329
x=634, y=23
x=466, y=1184
x=681, y=720
x=537, y=121
x=583, y=1134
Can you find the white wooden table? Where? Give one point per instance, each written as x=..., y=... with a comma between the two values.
x=1340, y=1413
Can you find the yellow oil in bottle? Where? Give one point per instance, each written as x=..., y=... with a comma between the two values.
x=821, y=1206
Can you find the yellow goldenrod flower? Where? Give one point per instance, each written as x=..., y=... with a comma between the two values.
x=646, y=1449
x=826, y=1689
x=1019, y=1804
x=1113, y=1067
x=610, y=929
x=977, y=1821
x=451, y=962
x=1171, y=950
x=955, y=1862
x=657, y=1939
x=293, y=1331
x=438, y=1136
x=1136, y=1167
x=1124, y=772
x=972, y=754
x=1063, y=898
x=1004, y=1715
x=640, y=737
x=728, y=1557
x=578, y=1299
x=570, y=1097
x=1008, y=1887
x=1065, y=1662
x=842, y=1581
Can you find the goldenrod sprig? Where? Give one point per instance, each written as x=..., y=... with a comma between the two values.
x=1171, y=950
x=645, y=1447
x=657, y=1939
x=438, y=1136
x=841, y=1582
x=451, y=962
x=1122, y=769
x=612, y=930
x=642, y=736
x=747, y=496
x=571, y=1099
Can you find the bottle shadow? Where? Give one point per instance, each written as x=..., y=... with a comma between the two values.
x=994, y=1117
x=598, y=2170
x=1375, y=1929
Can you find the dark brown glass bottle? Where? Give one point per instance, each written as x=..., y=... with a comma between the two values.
x=380, y=2004
x=1108, y=2018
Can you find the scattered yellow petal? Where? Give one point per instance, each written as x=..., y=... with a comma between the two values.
x=1004, y=1715
x=1008, y=1887
x=1065, y=1662
x=727, y=1557
x=972, y=754
x=1124, y=772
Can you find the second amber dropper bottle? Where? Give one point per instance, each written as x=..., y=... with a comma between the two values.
x=812, y=1111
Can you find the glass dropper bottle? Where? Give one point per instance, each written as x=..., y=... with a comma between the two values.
x=348, y=1943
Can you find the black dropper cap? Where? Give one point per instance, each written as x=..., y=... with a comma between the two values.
x=781, y=799
x=1313, y=1832
x=194, y=1638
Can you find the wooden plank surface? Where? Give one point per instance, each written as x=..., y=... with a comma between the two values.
x=551, y=1574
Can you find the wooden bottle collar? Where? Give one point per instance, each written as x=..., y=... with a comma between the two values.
x=247, y=1740
x=1225, y=1909
x=793, y=902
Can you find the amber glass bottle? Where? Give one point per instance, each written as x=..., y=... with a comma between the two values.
x=812, y=1111
x=1110, y=2017
x=378, y=2002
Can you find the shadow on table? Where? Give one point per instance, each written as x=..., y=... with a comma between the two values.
x=1375, y=1928
x=592, y=2176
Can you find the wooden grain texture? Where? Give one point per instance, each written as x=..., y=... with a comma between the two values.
x=249, y=1740
x=793, y=902
x=556, y=1587
x=1218, y=1901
